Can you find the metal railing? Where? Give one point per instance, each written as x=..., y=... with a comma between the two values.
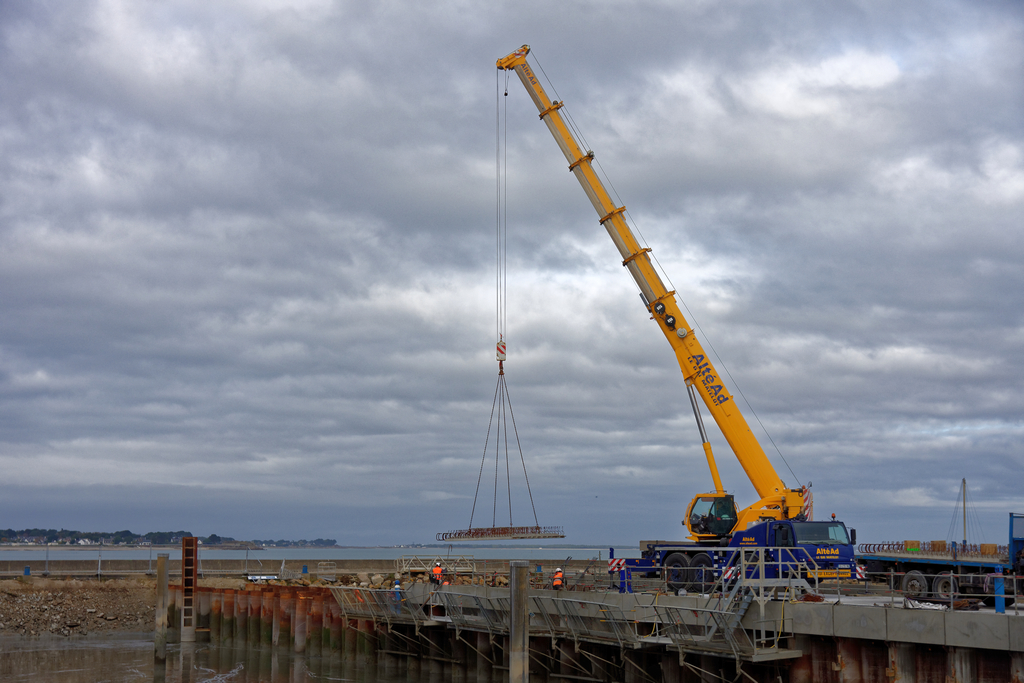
x=415, y=564
x=711, y=626
x=947, y=590
x=380, y=605
x=327, y=571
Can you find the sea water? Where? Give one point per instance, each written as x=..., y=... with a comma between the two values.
x=129, y=657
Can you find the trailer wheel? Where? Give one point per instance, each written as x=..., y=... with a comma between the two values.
x=702, y=573
x=914, y=584
x=676, y=566
x=944, y=585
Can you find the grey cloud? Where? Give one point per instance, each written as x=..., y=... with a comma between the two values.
x=247, y=259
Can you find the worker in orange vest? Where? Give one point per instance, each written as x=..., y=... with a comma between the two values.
x=436, y=573
x=556, y=580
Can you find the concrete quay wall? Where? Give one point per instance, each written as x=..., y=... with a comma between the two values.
x=982, y=630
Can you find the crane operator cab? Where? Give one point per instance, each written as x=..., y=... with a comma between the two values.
x=711, y=515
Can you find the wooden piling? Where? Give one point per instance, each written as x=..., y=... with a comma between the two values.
x=241, y=617
x=301, y=607
x=849, y=660
x=1017, y=667
x=227, y=616
x=279, y=611
x=216, y=607
x=458, y=649
x=268, y=607
x=483, y=660
x=202, y=614
x=160, y=634
x=173, y=615
x=351, y=635
x=337, y=630
x=902, y=663
x=963, y=667
x=325, y=628
x=315, y=632
x=254, y=620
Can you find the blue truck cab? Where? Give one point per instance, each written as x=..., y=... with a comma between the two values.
x=810, y=550
x=816, y=550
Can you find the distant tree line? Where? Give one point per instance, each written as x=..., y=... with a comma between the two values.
x=315, y=543
x=72, y=537
x=126, y=537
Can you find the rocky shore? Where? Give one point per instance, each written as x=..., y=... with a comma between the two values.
x=32, y=607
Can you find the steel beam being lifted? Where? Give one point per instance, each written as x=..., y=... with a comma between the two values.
x=501, y=533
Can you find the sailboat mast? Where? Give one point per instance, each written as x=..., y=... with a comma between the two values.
x=963, y=485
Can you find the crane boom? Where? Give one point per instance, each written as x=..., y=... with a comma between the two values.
x=777, y=501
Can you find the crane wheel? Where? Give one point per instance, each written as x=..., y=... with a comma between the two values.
x=676, y=566
x=702, y=573
x=914, y=585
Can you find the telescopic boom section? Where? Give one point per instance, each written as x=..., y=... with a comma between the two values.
x=776, y=500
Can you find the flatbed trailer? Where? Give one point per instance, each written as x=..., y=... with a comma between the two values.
x=961, y=569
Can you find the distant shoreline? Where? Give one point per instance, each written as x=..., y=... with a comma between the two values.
x=177, y=546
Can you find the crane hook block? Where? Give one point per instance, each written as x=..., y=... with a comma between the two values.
x=501, y=350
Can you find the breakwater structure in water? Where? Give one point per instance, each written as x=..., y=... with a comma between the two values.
x=746, y=629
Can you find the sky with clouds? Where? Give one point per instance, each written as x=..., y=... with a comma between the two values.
x=247, y=262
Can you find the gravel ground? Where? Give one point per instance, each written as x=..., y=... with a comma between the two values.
x=34, y=606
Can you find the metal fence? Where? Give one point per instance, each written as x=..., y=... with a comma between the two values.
x=943, y=590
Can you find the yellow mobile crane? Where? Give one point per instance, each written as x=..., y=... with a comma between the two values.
x=713, y=516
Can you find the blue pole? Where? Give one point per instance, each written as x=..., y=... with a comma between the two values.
x=1000, y=590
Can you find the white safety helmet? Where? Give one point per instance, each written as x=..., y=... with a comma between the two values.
x=558, y=569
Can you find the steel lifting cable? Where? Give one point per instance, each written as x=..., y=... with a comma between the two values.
x=497, y=455
x=487, y=440
x=522, y=459
x=501, y=406
x=504, y=425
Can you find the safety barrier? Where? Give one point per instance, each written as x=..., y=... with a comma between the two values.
x=457, y=565
x=713, y=626
x=381, y=605
x=946, y=589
